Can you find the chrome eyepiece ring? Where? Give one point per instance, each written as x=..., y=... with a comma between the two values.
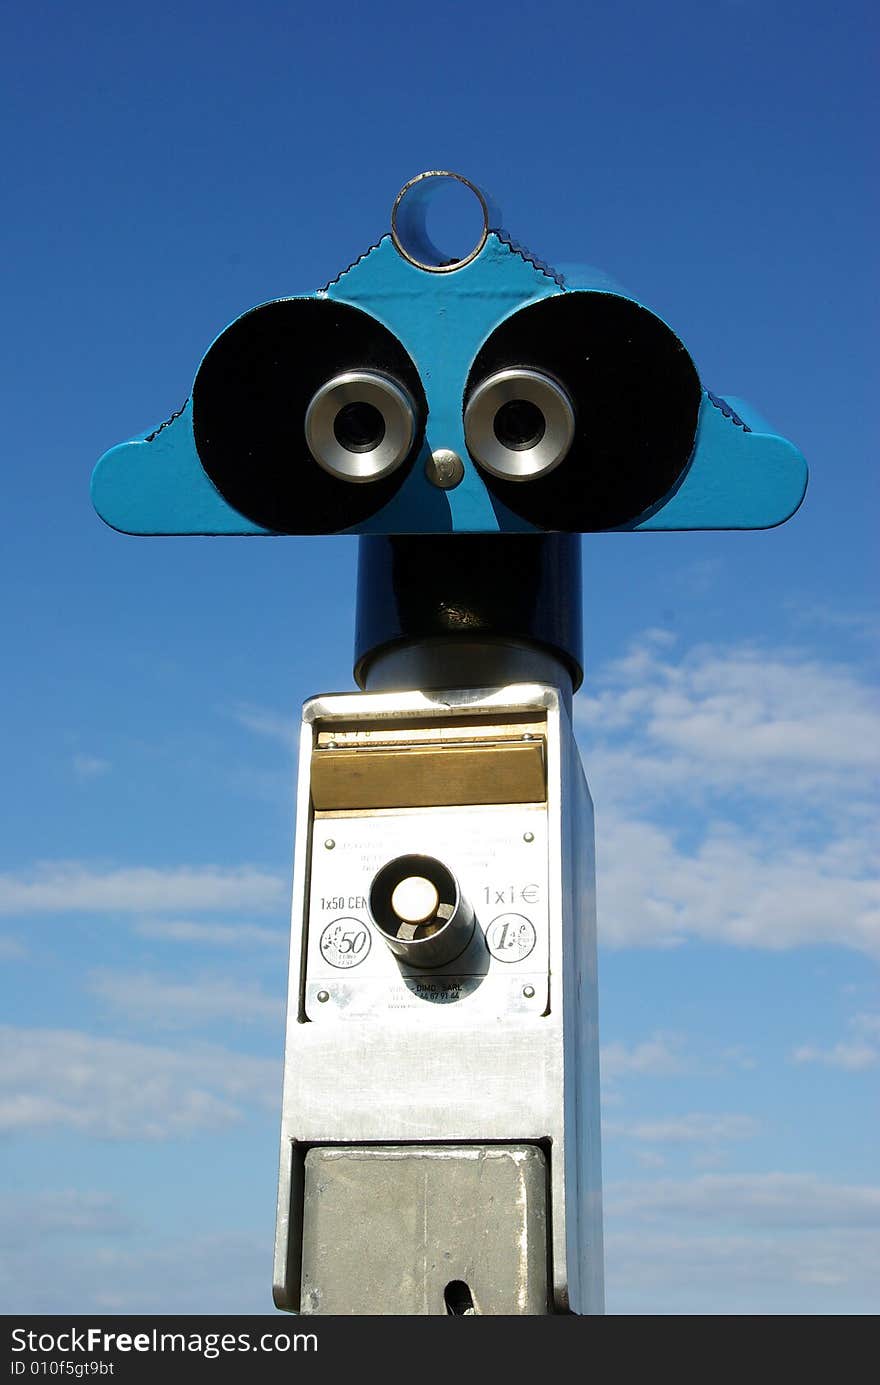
x=360, y=426
x=519, y=424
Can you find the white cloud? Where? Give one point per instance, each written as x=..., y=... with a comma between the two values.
x=222, y=1272
x=649, y=1158
x=211, y=934
x=759, y=1243
x=71, y=887
x=67, y=1212
x=694, y=1128
x=55, y=1079
x=864, y=625
x=90, y=766
x=651, y=1270
x=740, y=712
x=659, y=1055
x=761, y=1200
x=266, y=723
x=856, y=1054
x=740, y=1057
x=725, y=725
x=734, y=798
x=733, y=887
x=709, y=1156
x=852, y=1057
x=185, y=1004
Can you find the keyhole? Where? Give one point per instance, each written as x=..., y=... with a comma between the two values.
x=458, y=1298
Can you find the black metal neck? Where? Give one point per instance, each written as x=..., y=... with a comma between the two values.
x=451, y=609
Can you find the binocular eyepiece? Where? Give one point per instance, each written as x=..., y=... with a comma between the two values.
x=360, y=426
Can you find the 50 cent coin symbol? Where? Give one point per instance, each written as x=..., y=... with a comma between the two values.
x=345, y=942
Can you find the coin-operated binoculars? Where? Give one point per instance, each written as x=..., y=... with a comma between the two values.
x=469, y=418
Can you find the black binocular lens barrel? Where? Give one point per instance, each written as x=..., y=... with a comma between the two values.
x=581, y=411
x=308, y=415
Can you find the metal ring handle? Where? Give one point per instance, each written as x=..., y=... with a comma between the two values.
x=409, y=222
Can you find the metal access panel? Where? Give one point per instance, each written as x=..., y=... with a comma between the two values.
x=442, y=985
x=425, y=1230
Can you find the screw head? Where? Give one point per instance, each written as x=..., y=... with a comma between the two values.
x=329, y=844
x=444, y=468
x=323, y=996
x=528, y=836
x=528, y=992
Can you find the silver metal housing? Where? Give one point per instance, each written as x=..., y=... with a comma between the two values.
x=398, y=413
x=506, y=1054
x=519, y=463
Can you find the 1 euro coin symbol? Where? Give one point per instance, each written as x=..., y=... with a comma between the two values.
x=510, y=937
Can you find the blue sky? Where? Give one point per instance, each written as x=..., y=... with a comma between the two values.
x=167, y=168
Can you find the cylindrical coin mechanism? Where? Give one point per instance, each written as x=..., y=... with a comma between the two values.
x=417, y=906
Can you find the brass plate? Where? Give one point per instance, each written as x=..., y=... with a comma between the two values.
x=428, y=776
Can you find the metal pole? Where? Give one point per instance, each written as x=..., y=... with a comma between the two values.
x=444, y=960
